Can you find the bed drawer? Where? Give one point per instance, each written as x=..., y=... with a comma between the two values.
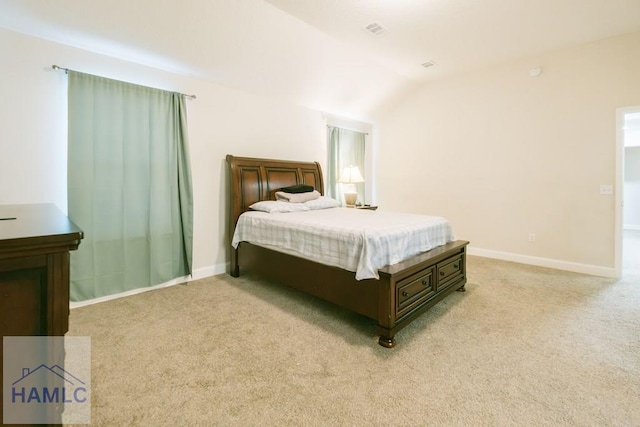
x=414, y=290
x=450, y=270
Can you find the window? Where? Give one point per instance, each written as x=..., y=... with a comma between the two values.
x=346, y=148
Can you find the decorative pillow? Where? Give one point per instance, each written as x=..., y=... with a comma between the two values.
x=297, y=197
x=300, y=188
x=274, y=206
x=322, y=202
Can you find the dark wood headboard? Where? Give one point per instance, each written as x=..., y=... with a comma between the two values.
x=252, y=180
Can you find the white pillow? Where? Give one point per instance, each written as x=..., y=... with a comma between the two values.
x=273, y=206
x=297, y=197
x=322, y=202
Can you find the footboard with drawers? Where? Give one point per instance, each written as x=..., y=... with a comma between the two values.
x=415, y=285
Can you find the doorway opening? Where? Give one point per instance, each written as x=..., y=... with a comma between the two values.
x=627, y=257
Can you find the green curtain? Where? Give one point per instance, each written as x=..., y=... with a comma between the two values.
x=346, y=147
x=129, y=186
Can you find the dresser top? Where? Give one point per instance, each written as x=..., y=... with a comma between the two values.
x=35, y=225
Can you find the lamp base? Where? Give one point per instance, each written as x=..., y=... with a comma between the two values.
x=350, y=199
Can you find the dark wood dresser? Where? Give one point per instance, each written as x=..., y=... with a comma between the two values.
x=35, y=241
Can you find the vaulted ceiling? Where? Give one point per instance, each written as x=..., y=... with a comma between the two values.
x=316, y=52
x=459, y=35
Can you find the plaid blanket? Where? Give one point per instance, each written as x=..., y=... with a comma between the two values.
x=357, y=240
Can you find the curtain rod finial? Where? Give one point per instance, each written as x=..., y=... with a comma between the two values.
x=55, y=67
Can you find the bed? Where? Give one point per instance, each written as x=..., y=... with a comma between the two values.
x=394, y=296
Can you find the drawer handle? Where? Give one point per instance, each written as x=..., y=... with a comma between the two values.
x=405, y=294
x=455, y=266
x=442, y=273
x=425, y=282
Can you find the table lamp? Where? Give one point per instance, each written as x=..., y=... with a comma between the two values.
x=350, y=176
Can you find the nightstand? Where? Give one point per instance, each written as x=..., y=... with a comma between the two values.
x=367, y=207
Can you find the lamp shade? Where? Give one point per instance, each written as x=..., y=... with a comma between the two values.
x=351, y=175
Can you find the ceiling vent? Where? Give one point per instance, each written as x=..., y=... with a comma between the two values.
x=428, y=64
x=375, y=28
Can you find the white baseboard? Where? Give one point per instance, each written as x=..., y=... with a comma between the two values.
x=631, y=227
x=214, y=270
x=199, y=273
x=575, y=267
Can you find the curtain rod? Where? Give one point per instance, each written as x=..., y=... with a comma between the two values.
x=351, y=129
x=66, y=70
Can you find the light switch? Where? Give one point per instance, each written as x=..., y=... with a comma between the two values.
x=606, y=189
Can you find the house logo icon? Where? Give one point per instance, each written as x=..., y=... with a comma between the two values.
x=48, y=384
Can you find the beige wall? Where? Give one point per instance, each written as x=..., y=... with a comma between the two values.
x=502, y=154
x=221, y=121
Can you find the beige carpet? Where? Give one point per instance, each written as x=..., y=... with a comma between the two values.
x=524, y=346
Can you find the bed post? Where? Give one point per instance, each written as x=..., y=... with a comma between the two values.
x=235, y=267
x=232, y=217
x=386, y=298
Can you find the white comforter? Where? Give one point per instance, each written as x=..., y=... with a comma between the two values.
x=353, y=239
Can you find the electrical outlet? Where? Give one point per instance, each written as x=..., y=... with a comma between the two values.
x=532, y=237
x=606, y=189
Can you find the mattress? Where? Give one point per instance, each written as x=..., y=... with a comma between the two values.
x=357, y=240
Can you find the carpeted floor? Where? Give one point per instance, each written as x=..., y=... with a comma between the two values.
x=524, y=346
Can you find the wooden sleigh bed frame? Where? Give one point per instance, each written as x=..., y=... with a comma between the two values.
x=404, y=290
